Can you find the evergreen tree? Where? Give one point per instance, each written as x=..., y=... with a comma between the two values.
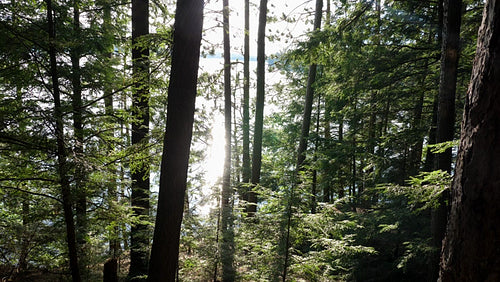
x=472, y=232
x=174, y=165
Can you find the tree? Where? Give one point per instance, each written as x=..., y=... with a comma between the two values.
x=176, y=146
x=62, y=161
x=227, y=244
x=246, y=169
x=78, y=125
x=139, y=235
x=304, y=134
x=446, y=112
x=259, y=106
x=308, y=103
x=470, y=249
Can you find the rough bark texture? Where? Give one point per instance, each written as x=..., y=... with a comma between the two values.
x=259, y=106
x=471, y=248
x=177, y=143
x=139, y=235
x=61, y=151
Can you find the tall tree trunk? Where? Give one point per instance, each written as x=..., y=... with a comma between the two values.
x=177, y=142
x=311, y=79
x=429, y=163
x=470, y=251
x=448, y=79
x=22, y=264
x=314, y=184
x=327, y=189
x=340, y=174
x=246, y=173
x=81, y=198
x=227, y=244
x=114, y=244
x=259, y=107
x=304, y=136
x=446, y=115
x=61, y=151
x=139, y=235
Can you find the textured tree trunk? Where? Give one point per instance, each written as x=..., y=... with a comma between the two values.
x=139, y=235
x=471, y=248
x=227, y=244
x=177, y=142
x=446, y=115
x=61, y=151
x=259, y=107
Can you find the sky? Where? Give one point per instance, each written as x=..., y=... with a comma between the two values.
x=213, y=35
x=291, y=9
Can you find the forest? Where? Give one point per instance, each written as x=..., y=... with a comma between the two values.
x=359, y=140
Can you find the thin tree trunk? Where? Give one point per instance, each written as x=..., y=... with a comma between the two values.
x=81, y=199
x=61, y=151
x=227, y=244
x=139, y=233
x=314, y=184
x=429, y=163
x=177, y=142
x=114, y=244
x=340, y=174
x=246, y=173
x=304, y=136
x=311, y=79
x=446, y=116
x=259, y=108
x=470, y=250
x=448, y=79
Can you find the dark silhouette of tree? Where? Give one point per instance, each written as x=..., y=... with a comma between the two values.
x=259, y=106
x=227, y=244
x=139, y=235
x=177, y=142
x=446, y=112
x=63, y=166
x=246, y=168
x=470, y=249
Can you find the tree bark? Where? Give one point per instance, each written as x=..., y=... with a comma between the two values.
x=61, y=153
x=311, y=79
x=448, y=79
x=259, y=107
x=227, y=244
x=139, y=235
x=246, y=171
x=177, y=142
x=77, y=104
x=446, y=115
x=470, y=251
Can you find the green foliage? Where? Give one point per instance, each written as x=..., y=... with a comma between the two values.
x=378, y=73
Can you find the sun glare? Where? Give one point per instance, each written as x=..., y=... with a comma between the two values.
x=215, y=158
